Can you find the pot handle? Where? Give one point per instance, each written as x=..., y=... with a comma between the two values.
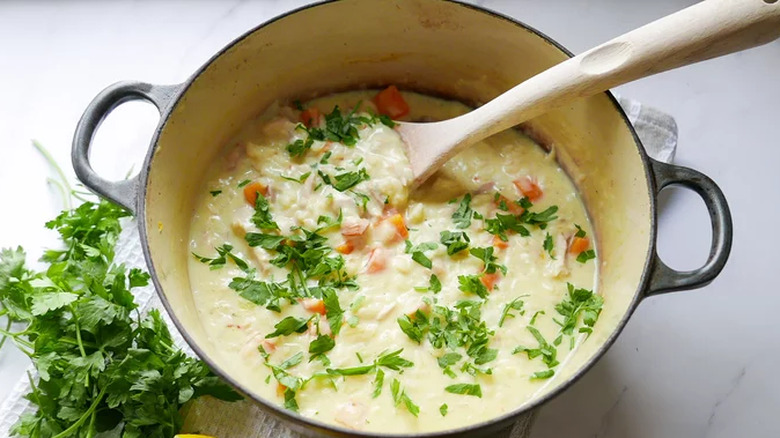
x=123, y=192
x=665, y=279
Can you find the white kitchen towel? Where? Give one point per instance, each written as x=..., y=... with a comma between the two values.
x=656, y=130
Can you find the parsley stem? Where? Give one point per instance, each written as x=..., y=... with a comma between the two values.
x=5, y=332
x=78, y=333
x=53, y=163
x=75, y=426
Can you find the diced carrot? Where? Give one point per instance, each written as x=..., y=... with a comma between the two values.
x=377, y=261
x=280, y=389
x=313, y=305
x=310, y=117
x=528, y=188
x=489, y=280
x=252, y=189
x=500, y=244
x=512, y=207
x=345, y=248
x=579, y=244
x=400, y=225
x=391, y=103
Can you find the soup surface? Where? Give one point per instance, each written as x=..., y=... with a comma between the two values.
x=332, y=289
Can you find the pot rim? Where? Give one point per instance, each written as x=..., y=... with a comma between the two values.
x=504, y=421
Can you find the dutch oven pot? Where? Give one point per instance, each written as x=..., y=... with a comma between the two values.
x=437, y=47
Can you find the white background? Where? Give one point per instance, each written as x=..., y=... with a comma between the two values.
x=694, y=364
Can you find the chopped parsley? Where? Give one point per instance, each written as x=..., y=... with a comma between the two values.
x=443, y=409
x=586, y=255
x=516, y=305
x=292, y=361
x=465, y=389
x=224, y=253
x=300, y=180
x=379, y=380
x=580, y=232
x=346, y=180
x=288, y=326
x=244, y=182
x=579, y=304
x=547, y=351
x=472, y=284
x=455, y=241
x=502, y=223
x=486, y=255
x=548, y=245
x=320, y=346
x=418, y=252
x=540, y=375
x=463, y=214
x=392, y=361
x=400, y=396
x=215, y=193
x=262, y=218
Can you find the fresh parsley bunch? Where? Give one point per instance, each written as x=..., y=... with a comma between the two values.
x=102, y=365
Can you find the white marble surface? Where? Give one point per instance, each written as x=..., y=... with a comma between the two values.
x=693, y=364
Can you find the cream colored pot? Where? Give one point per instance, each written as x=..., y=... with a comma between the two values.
x=438, y=47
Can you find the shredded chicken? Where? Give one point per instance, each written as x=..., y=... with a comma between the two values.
x=352, y=415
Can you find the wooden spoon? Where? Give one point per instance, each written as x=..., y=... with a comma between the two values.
x=706, y=30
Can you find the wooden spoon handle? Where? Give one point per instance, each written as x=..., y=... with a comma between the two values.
x=706, y=30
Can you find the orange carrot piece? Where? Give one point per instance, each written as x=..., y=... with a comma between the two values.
x=391, y=103
x=313, y=305
x=280, y=389
x=400, y=225
x=489, y=280
x=500, y=244
x=579, y=244
x=310, y=117
x=345, y=248
x=252, y=189
x=529, y=188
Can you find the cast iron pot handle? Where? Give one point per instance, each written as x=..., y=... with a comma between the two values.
x=662, y=277
x=124, y=192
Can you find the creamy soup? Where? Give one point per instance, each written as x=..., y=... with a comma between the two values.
x=334, y=290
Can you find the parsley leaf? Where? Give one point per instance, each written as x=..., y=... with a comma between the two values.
x=586, y=255
x=400, y=396
x=266, y=241
x=434, y=285
x=443, y=409
x=516, y=304
x=580, y=231
x=472, y=284
x=463, y=214
x=548, y=245
x=262, y=218
x=379, y=380
x=454, y=241
x=288, y=326
x=548, y=351
x=579, y=303
x=540, y=219
x=321, y=345
x=546, y=374
x=465, y=389
x=292, y=361
x=243, y=183
x=224, y=253
x=418, y=254
x=333, y=310
x=215, y=193
x=486, y=255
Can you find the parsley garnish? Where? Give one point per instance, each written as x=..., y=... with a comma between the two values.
x=540, y=219
x=215, y=192
x=346, y=180
x=399, y=396
x=548, y=245
x=540, y=375
x=580, y=231
x=434, y=285
x=224, y=253
x=292, y=361
x=242, y=183
x=486, y=255
x=472, y=284
x=586, y=255
x=579, y=303
x=506, y=222
x=548, y=351
x=516, y=304
x=288, y=326
x=455, y=241
x=300, y=180
x=418, y=252
x=379, y=380
x=392, y=360
x=463, y=214
x=465, y=389
x=262, y=218
x=443, y=409
x=320, y=346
